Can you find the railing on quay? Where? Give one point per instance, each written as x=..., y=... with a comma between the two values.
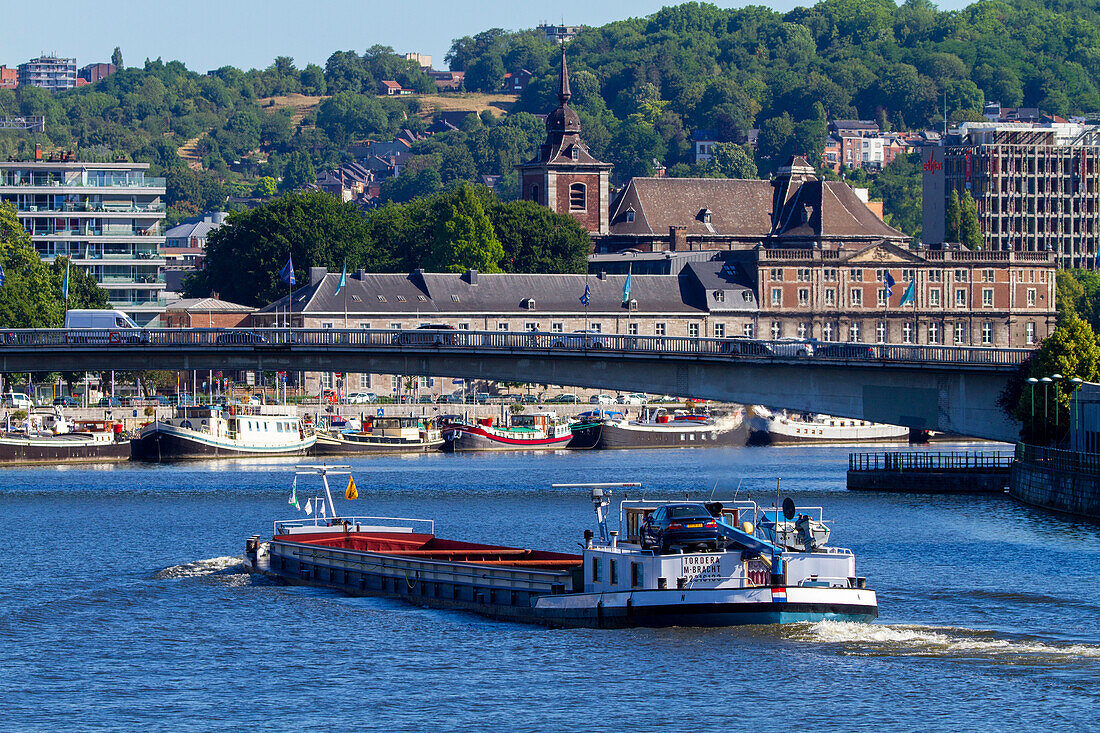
x=928, y=461
x=1056, y=459
x=513, y=341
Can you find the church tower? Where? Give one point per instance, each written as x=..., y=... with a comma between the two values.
x=564, y=176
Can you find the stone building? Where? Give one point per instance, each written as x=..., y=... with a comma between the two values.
x=564, y=176
x=968, y=298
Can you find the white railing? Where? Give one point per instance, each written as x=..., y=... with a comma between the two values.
x=356, y=522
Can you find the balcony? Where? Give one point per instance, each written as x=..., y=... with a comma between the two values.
x=80, y=207
x=38, y=179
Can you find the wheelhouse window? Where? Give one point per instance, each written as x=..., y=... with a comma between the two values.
x=578, y=197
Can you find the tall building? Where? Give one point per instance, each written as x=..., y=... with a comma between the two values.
x=1037, y=188
x=49, y=72
x=564, y=176
x=107, y=217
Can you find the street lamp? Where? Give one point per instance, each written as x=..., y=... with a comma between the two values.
x=1032, y=381
x=1057, y=417
x=1074, y=423
x=1046, y=409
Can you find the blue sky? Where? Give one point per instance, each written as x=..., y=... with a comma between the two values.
x=207, y=34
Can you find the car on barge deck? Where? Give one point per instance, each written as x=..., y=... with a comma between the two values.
x=611, y=584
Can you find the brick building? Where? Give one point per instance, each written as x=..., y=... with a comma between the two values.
x=205, y=313
x=1036, y=187
x=564, y=176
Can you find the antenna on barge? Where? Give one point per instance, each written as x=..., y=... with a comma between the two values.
x=600, y=500
x=324, y=471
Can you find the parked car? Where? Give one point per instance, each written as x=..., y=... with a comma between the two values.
x=18, y=400
x=329, y=395
x=65, y=401
x=601, y=399
x=433, y=334
x=634, y=398
x=566, y=398
x=109, y=402
x=241, y=337
x=743, y=346
x=161, y=400
x=479, y=397
x=679, y=525
x=529, y=399
x=361, y=398
x=425, y=399
x=582, y=339
x=844, y=351
x=793, y=347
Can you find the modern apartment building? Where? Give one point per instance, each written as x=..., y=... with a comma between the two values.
x=107, y=217
x=1037, y=187
x=48, y=72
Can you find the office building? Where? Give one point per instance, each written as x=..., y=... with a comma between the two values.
x=107, y=217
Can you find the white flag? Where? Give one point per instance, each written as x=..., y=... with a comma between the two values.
x=321, y=509
x=309, y=506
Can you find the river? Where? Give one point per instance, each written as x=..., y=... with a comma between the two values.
x=124, y=607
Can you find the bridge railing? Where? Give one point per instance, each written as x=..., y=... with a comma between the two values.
x=928, y=460
x=514, y=341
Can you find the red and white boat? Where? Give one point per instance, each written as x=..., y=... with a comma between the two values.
x=527, y=431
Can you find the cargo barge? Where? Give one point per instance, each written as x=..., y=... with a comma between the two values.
x=741, y=579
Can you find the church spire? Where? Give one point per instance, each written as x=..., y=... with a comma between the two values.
x=563, y=82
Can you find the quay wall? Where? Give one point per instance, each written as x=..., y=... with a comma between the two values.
x=1062, y=481
x=928, y=481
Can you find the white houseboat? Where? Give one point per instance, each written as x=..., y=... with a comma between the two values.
x=211, y=432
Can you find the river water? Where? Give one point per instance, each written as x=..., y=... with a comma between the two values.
x=123, y=606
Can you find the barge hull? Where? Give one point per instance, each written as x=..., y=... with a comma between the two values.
x=465, y=440
x=345, y=447
x=20, y=452
x=616, y=436
x=163, y=446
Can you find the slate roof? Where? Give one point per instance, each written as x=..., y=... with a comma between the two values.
x=187, y=230
x=737, y=206
x=208, y=304
x=442, y=294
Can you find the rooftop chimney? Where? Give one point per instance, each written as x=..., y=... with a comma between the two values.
x=317, y=274
x=37, y=153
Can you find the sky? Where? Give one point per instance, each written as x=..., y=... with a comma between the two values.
x=208, y=34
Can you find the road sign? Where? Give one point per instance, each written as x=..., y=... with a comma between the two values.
x=379, y=412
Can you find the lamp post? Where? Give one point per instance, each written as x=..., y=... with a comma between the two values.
x=1057, y=405
x=1032, y=381
x=1046, y=409
x=1074, y=421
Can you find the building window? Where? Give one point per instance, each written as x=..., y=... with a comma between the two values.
x=719, y=330
x=326, y=380
x=908, y=275
x=830, y=275
x=880, y=332
x=693, y=330
x=855, y=332
x=395, y=326
x=934, y=297
x=749, y=330
x=658, y=329
x=803, y=275
x=534, y=193
x=880, y=276
x=827, y=331
x=987, y=333
x=777, y=296
x=881, y=297
x=502, y=325
x=856, y=275
x=830, y=296
x=933, y=333
x=777, y=329
x=987, y=276
x=935, y=276
x=597, y=327
x=557, y=327
x=632, y=329
x=960, y=276
x=530, y=326
x=803, y=330
x=857, y=297
x=987, y=297
x=578, y=197
x=364, y=381
x=907, y=333
x=1031, y=297
x=960, y=333
x=395, y=383
x=960, y=298
x=719, y=296
x=776, y=274
x=1029, y=331
x=803, y=296
x=464, y=327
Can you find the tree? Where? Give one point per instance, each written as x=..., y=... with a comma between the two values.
x=298, y=172
x=953, y=220
x=244, y=257
x=1072, y=351
x=116, y=58
x=536, y=239
x=970, y=233
x=465, y=238
x=84, y=291
x=265, y=187
x=29, y=295
x=729, y=160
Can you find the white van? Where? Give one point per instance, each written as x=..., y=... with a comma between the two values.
x=103, y=327
x=18, y=400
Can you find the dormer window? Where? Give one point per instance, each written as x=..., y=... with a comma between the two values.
x=629, y=216
x=381, y=298
x=703, y=216
x=574, y=153
x=529, y=304
x=632, y=304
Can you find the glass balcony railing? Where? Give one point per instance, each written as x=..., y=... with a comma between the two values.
x=71, y=179
x=69, y=206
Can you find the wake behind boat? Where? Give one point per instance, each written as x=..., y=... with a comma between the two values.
x=210, y=432
x=679, y=563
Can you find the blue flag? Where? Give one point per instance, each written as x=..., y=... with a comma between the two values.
x=910, y=294
x=343, y=279
x=626, y=285
x=65, y=282
x=585, y=299
x=1, y=274
x=889, y=286
x=287, y=273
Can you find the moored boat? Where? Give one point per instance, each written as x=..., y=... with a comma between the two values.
x=45, y=436
x=386, y=434
x=767, y=428
x=659, y=428
x=743, y=579
x=524, y=431
x=210, y=432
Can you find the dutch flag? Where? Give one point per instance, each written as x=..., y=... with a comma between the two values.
x=779, y=595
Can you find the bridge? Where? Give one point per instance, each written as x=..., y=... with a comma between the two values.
x=944, y=388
